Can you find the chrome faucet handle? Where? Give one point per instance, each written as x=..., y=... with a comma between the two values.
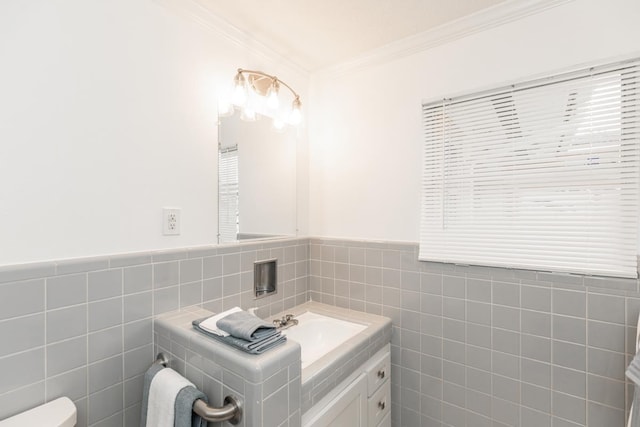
x=285, y=322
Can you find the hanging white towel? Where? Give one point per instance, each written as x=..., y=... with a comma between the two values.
x=165, y=386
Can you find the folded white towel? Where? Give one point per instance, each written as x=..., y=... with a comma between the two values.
x=211, y=324
x=164, y=389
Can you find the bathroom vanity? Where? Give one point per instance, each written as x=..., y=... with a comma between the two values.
x=345, y=366
x=348, y=385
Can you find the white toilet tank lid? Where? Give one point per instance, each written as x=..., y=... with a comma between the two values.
x=57, y=413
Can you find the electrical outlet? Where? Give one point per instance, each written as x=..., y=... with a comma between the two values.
x=171, y=221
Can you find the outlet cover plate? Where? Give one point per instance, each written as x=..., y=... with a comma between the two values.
x=171, y=221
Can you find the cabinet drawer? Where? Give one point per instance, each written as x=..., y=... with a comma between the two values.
x=386, y=421
x=380, y=404
x=378, y=372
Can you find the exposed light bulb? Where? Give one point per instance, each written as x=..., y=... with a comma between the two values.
x=248, y=114
x=278, y=123
x=252, y=95
x=254, y=104
x=239, y=96
x=272, y=97
x=296, y=114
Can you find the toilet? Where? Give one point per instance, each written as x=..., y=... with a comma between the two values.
x=57, y=413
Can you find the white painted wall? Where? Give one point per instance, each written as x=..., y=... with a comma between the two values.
x=107, y=114
x=365, y=129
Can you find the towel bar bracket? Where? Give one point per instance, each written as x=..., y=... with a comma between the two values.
x=162, y=359
x=231, y=411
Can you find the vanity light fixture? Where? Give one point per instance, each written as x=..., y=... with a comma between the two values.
x=259, y=92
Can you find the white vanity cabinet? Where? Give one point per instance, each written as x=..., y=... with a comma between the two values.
x=362, y=400
x=348, y=408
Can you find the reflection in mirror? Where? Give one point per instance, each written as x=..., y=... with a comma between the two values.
x=256, y=180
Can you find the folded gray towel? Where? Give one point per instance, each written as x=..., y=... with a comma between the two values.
x=633, y=373
x=266, y=342
x=246, y=326
x=184, y=415
x=148, y=376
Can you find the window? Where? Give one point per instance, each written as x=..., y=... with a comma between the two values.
x=228, y=199
x=541, y=175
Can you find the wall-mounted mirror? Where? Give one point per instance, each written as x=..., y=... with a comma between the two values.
x=256, y=180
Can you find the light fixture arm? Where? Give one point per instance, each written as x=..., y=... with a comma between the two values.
x=256, y=91
x=272, y=79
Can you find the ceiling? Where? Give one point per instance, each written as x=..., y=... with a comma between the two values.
x=318, y=34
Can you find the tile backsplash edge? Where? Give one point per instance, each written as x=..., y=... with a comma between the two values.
x=596, y=284
x=39, y=270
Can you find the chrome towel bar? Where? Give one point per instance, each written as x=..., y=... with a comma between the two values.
x=231, y=411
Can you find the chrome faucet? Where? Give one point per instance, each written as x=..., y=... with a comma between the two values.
x=287, y=321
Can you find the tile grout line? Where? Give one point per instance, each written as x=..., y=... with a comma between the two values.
x=124, y=403
x=46, y=315
x=586, y=356
x=86, y=367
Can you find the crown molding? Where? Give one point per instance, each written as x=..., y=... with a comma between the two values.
x=485, y=19
x=482, y=20
x=196, y=11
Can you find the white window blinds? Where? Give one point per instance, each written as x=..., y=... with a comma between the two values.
x=228, y=198
x=542, y=175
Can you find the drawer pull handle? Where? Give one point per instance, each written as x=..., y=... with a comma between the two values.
x=381, y=405
x=381, y=373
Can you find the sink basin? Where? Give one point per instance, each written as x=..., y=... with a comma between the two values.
x=318, y=334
